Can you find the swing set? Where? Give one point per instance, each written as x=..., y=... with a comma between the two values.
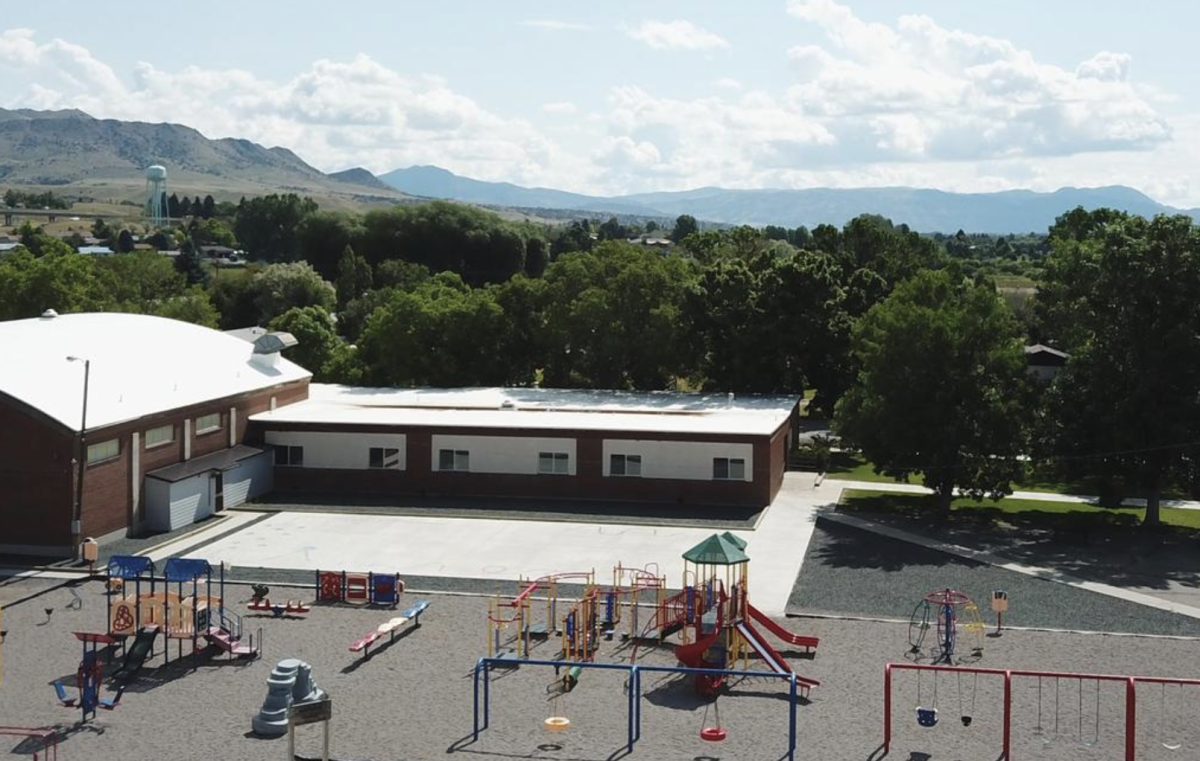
x=1088, y=729
x=558, y=721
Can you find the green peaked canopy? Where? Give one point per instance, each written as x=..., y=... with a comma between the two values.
x=739, y=542
x=718, y=550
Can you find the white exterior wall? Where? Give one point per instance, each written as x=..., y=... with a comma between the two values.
x=172, y=505
x=504, y=454
x=252, y=478
x=343, y=451
x=690, y=460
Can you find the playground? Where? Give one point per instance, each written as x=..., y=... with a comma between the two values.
x=668, y=655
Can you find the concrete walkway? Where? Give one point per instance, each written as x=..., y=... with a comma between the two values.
x=486, y=548
x=1043, y=496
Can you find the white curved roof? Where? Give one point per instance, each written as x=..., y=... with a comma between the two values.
x=140, y=365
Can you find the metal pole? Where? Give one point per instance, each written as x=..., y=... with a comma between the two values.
x=1008, y=716
x=887, y=708
x=1130, y=720
x=475, y=731
x=291, y=740
x=629, y=719
x=791, y=754
x=325, y=752
x=81, y=462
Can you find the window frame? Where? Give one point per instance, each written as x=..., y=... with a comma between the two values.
x=730, y=463
x=288, y=451
x=460, y=461
x=211, y=429
x=554, y=458
x=164, y=442
x=383, y=458
x=100, y=461
x=626, y=460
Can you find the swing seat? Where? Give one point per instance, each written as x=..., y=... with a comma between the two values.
x=927, y=717
x=713, y=734
x=966, y=720
x=556, y=724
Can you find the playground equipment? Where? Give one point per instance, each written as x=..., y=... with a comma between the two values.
x=714, y=732
x=290, y=608
x=999, y=607
x=389, y=628
x=88, y=679
x=520, y=615
x=633, y=694
x=580, y=630
x=942, y=607
x=291, y=681
x=715, y=619
x=1130, y=683
x=623, y=601
x=179, y=605
x=382, y=589
x=47, y=736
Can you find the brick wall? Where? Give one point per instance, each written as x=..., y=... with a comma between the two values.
x=35, y=478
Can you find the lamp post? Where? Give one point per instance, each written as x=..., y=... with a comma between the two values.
x=81, y=461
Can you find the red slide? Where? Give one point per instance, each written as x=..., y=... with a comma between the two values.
x=692, y=656
x=808, y=643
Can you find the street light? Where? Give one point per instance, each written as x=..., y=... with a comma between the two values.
x=81, y=461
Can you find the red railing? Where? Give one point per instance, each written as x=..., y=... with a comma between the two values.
x=1130, y=682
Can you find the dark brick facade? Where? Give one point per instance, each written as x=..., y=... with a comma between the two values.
x=36, y=503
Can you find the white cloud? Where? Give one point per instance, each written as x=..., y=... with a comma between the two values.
x=554, y=25
x=728, y=83
x=561, y=107
x=676, y=35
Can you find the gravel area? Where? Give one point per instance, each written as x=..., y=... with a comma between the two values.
x=412, y=700
x=854, y=572
x=590, y=511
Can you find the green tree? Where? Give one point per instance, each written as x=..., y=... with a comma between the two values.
x=268, y=226
x=323, y=236
x=614, y=318
x=443, y=334
x=317, y=342
x=125, y=242
x=536, y=257
x=354, y=277
x=211, y=232
x=940, y=389
x=209, y=208
x=192, y=305
x=279, y=287
x=233, y=294
x=397, y=273
x=65, y=282
x=1120, y=295
x=685, y=225
x=136, y=282
x=190, y=264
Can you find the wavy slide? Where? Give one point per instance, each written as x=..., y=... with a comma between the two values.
x=809, y=643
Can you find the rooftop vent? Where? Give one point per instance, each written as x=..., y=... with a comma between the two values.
x=267, y=348
x=49, y=314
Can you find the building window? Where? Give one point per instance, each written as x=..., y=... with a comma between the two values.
x=291, y=456
x=554, y=463
x=164, y=434
x=384, y=457
x=454, y=459
x=208, y=423
x=103, y=452
x=625, y=464
x=729, y=469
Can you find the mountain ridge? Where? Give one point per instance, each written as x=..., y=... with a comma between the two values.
x=922, y=209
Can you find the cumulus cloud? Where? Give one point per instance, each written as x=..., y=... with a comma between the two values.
x=676, y=35
x=917, y=90
x=728, y=83
x=334, y=114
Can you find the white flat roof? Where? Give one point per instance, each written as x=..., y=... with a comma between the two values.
x=140, y=365
x=570, y=410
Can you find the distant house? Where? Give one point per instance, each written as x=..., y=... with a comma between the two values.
x=6, y=246
x=1044, y=362
x=218, y=252
x=658, y=244
x=142, y=247
x=95, y=250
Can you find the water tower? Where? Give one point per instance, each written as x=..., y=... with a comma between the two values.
x=156, y=195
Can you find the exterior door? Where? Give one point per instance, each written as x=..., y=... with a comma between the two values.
x=218, y=491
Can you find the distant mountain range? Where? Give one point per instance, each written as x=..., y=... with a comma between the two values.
x=1013, y=211
x=106, y=158
x=87, y=155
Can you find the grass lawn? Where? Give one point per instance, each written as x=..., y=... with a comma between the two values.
x=1030, y=512
x=846, y=466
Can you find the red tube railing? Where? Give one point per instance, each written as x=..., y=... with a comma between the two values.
x=1130, y=682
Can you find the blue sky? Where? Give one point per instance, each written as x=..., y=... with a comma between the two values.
x=626, y=97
